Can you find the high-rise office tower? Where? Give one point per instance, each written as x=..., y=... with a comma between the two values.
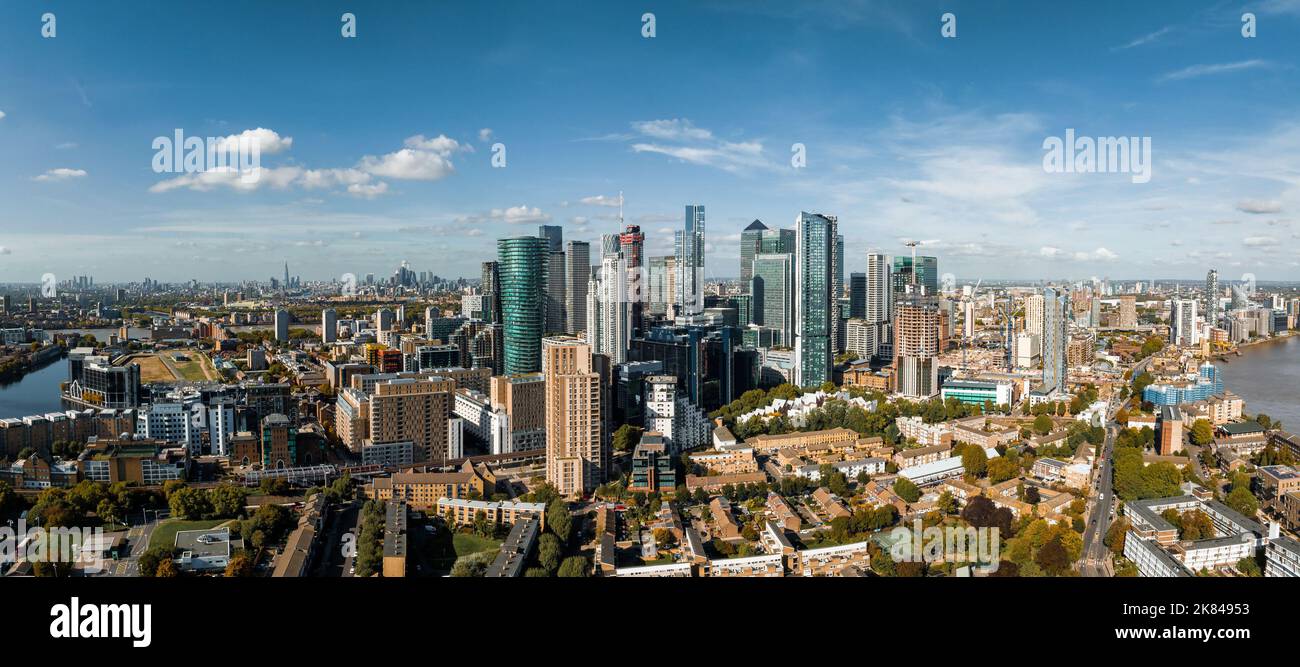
x=631, y=244
x=384, y=320
x=523, y=263
x=556, y=291
x=659, y=282
x=772, y=291
x=490, y=288
x=575, y=452
x=777, y=241
x=916, y=346
x=816, y=307
x=1056, y=303
x=1211, y=305
x=751, y=243
x=1182, y=317
x=554, y=235
x=329, y=325
x=281, y=325
x=858, y=295
x=577, y=272
x=927, y=274
x=690, y=261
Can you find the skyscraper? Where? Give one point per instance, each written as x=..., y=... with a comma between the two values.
x=816, y=307
x=575, y=453
x=577, y=272
x=1056, y=303
x=554, y=235
x=329, y=325
x=916, y=346
x=927, y=274
x=490, y=287
x=1182, y=318
x=771, y=288
x=858, y=295
x=281, y=325
x=751, y=243
x=690, y=261
x=659, y=283
x=556, y=291
x=631, y=244
x=609, y=311
x=1211, y=305
x=523, y=263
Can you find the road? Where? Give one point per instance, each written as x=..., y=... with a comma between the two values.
x=1095, y=561
x=333, y=562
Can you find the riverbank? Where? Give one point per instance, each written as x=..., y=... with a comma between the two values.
x=14, y=371
x=1265, y=377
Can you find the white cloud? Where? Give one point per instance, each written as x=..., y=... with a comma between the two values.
x=1145, y=39
x=697, y=145
x=2, y=115
x=675, y=129
x=1258, y=241
x=601, y=200
x=1195, y=71
x=61, y=174
x=66, y=146
x=368, y=191
x=1258, y=206
x=515, y=215
x=485, y=134
x=1049, y=251
x=267, y=141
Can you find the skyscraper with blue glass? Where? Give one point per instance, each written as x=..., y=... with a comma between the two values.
x=815, y=301
x=523, y=267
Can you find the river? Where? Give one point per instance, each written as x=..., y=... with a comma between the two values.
x=1267, y=377
x=35, y=393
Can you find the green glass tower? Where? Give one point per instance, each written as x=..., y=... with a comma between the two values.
x=522, y=263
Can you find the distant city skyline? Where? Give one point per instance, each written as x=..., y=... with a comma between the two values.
x=373, y=157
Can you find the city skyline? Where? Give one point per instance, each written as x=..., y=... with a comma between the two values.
x=928, y=143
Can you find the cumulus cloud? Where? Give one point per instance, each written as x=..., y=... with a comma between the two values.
x=421, y=159
x=2, y=115
x=1258, y=241
x=515, y=215
x=61, y=174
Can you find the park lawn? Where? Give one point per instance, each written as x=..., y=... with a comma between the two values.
x=165, y=534
x=191, y=370
x=466, y=544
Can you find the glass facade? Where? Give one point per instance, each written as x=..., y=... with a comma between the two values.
x=523, y=267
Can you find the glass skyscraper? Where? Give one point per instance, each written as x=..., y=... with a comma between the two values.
x=927, y=274
x=523, y=263
x=815, y=304
x=1056, y=303
x=751, y=243
x=690, y=261
x=773, y=274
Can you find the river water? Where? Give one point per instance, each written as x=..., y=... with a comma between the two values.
x=1267, y=377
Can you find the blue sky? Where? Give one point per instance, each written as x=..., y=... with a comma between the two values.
x=378, y=148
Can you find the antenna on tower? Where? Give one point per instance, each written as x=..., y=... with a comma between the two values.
x=620, y=210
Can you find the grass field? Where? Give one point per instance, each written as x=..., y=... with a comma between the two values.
x=151, y=368
x=468, y=544
x=165, y=534
x=191, y=370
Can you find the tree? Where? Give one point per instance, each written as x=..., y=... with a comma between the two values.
x=227, y=501
x=549, y=552
x=626, y=438
x=559, y=520
x=167, y=569
x=907, y=490
x=1053, y=558
x=980, y=512
x=1242, y=500
x=1001, y=469
x=574, y=566
x=1043, y=424
x=1202, y=433
x=974, y=460
x=151, y=559
x=240, y=565
x=189, y=503
x=473, y=565
x=1249, y=567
